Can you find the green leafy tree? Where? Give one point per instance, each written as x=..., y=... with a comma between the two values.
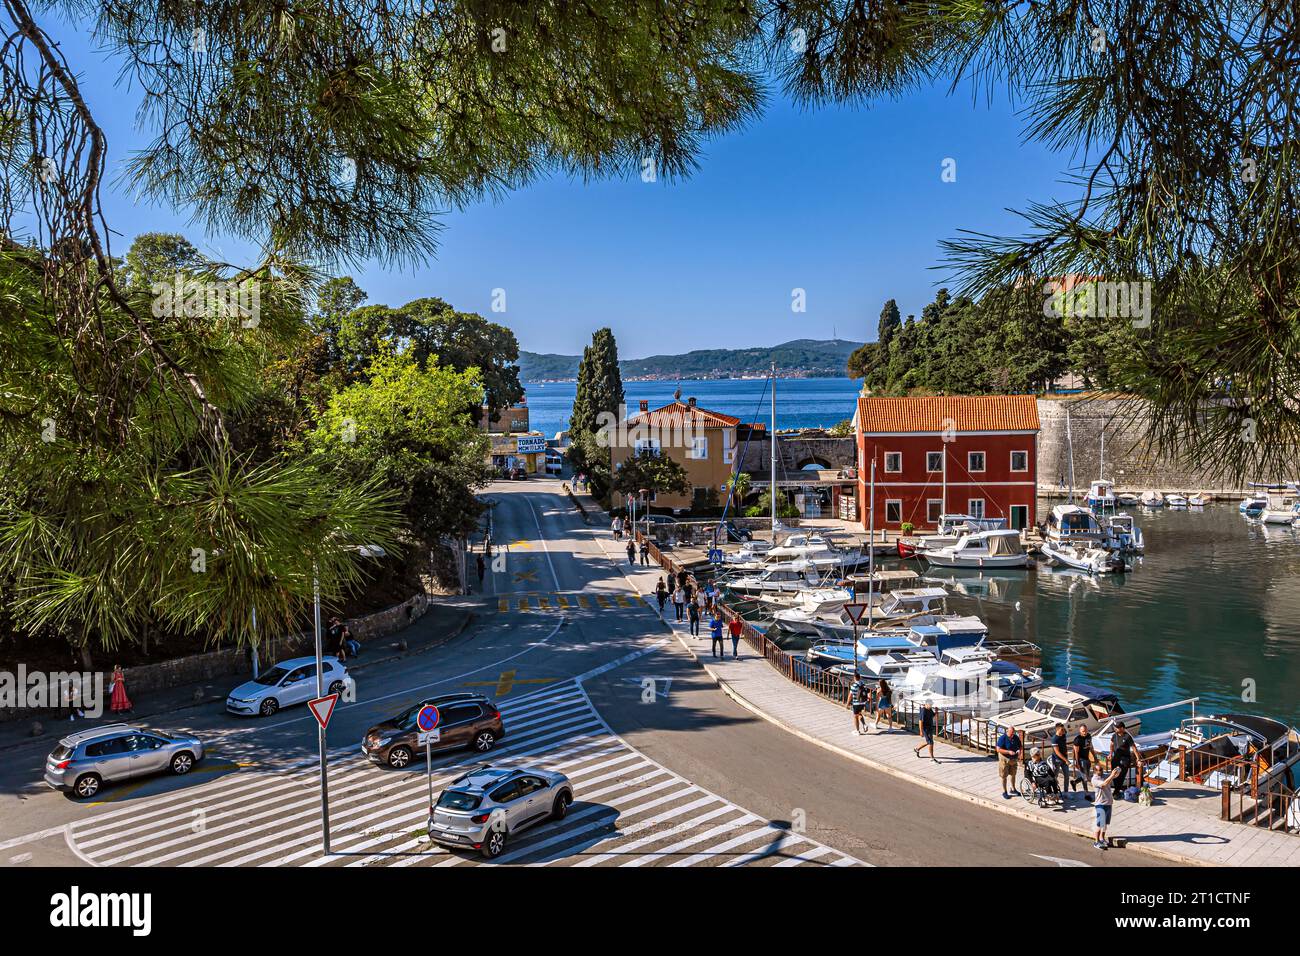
x=650, y=472
x=407, y=428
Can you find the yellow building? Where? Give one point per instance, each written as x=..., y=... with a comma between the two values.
x=701, y=441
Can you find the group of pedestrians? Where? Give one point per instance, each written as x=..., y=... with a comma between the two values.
x=1077, y=764
x=876, y=700
x=692, y=603
x=632, y=551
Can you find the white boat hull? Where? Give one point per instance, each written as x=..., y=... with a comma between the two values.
x=945, y=559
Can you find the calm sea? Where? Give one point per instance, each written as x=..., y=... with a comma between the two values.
x=800, y=402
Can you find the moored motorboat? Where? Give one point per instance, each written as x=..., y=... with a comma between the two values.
x=1281, y=509
x=1069, y=523
x=1082, y=558
x=949, y=531
x=1253, y=505
x=1153, y=499
x=981, y=549
x=1174, y=500
x=1199, y=500
x=1101, y=493
x=1123, y=534
x=1127, y=498
x=904, y=606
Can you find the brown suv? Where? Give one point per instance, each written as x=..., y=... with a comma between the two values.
x=466, y=720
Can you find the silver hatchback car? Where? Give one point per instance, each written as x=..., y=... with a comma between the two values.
x=84, y=762
x=484, y=808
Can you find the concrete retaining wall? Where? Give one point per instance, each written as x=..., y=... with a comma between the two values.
x=237, y=661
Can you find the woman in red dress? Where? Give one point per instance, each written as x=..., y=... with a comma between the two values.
x=118, y=700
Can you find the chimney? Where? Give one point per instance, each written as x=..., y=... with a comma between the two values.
x=691, y=401
x=645, y=405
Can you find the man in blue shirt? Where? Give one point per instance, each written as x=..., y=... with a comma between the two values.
x=1009, y=748
x=715, y=627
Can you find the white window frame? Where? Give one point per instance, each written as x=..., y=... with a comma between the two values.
x=936, y=505
x=971, y=508
x=729, y=448
x=933, y=471
x=984, y=459
x=1012, y=461
x=897, y=455
x=699, y=450
x=894, y=501
x=642, y=444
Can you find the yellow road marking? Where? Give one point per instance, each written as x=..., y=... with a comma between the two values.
x=623, y=601
x=582, y=601
x=543, y=603
x=527, y=575
x=603, y=601
x=503, y=604
x=561, y=600
x=506, y=682
x=523, y=604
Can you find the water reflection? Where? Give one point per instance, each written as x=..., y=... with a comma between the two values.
x=1212, y=610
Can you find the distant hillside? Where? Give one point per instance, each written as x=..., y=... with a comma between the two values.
x=809, y=358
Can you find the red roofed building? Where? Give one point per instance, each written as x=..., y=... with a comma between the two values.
x=986, y=444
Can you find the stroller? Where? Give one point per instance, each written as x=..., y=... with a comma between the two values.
x=1040, y=783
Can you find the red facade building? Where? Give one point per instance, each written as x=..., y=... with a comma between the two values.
x=988, y=445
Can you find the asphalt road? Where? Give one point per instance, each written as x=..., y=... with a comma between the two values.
x=679, y=776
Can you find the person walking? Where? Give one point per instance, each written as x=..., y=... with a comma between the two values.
x=1009, y=749
x=859, y=694
x=1122, y=755
x=693, y=612
x=118, y=702
x=1083, y=756
x=631, y=552
x=661, y=595
x=927, y=731
x=679, y=602
x=481, y=567
x=702, y=603
x=884, y=704
x=645, y=551
x=715, y=628
x=1061, y=758
x=1103, y=803
x=735, y=628
x=617, y=527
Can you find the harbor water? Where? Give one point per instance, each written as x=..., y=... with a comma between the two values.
x=1211, y=611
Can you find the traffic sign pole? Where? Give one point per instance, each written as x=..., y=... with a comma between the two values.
x=427, y=720
x=320, y=730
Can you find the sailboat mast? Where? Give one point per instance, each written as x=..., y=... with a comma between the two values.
x=871, y=544
x=772, y=490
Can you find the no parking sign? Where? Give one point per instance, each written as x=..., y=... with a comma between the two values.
x=427, y=720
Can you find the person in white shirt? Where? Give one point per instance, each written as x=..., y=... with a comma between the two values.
x=679, y=602
x=1103, y=803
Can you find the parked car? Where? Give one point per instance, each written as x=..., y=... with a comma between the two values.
x=518, y=474
x=656, y=519
x=287, y=683
x=484, y=808
x=467, y=720
x=83, y=762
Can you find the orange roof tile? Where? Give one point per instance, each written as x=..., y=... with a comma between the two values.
x=678, y=413
x=966, y=413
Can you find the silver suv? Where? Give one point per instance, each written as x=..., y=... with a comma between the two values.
x=84, y=762
x=482, y=809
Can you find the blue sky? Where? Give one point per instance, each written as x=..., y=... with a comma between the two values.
x=845, y=203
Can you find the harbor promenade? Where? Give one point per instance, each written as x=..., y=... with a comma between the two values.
x=1182, y=824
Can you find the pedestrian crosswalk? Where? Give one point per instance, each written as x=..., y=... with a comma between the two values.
x=627, y=811
x=566, y=601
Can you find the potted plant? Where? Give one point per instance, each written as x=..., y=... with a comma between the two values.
x=907, y=528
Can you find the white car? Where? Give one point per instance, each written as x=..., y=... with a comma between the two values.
x=288, y=682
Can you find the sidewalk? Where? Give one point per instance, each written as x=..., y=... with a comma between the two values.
x=1173, y=830
x=442, y=622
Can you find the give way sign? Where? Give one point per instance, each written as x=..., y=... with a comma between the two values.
x=322, y=708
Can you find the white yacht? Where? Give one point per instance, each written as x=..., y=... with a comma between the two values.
x=1101, y=493
x=904, y=606
x=1123, y=534
x=1082, y=557
x=751, y=552
x=1069, y=523
x=980, y=684
x=1282, y=509
x=949, y=530
x=788, y=576
x=981, y=549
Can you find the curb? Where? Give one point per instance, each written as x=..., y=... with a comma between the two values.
x=190, y=705
x=1012, y=810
